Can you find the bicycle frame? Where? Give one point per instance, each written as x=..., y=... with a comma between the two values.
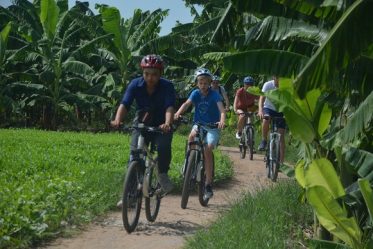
x=145, y=156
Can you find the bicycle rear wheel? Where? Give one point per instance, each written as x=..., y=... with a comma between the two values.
x=188, y=181
x=132, y=196
x=250, y=142
x=153, y=202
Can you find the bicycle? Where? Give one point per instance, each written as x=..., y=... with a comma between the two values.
x=194, y=167
x=141, y=180
x=247, y=137
x=272, y=157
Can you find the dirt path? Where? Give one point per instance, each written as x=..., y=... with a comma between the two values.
x=173, y=224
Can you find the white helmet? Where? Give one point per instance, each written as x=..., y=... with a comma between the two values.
x=215, y=78
x=202, y=71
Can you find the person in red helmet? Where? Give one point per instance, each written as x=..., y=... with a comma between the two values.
x=155, y=101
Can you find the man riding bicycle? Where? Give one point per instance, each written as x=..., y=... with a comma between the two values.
x=155, y=99
x=243, y=102
x=268, y=110
x=209, y=109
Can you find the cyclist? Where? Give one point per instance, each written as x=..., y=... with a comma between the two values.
x=215, y=85
x=267, y=109
x=208, y=109
x=155, y=100
x=244, y=102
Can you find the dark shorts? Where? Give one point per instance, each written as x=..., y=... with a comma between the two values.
x=280, y=123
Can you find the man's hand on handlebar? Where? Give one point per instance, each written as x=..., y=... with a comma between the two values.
x=165, y=127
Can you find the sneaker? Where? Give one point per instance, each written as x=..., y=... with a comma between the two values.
x=120, y=204
x=208, y=192
x=262, y=145
x=238, y=135
x=165, y=182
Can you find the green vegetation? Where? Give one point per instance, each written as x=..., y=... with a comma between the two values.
x=52, y=180
x=271, y=218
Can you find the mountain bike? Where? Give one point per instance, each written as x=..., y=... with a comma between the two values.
x=247, y=138
x=272, y=158
x=194, y=167
x=141, y=180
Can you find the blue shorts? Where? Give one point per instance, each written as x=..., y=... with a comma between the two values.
x=280, y=123
x=212, y=136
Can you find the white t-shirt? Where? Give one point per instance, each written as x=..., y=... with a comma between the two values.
x=269, y=85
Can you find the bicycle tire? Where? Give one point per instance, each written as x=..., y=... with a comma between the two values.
x=243, y=145
x=132, y=196
x=187, y=183
x=268, y=162
x=153, y=202
x=250, y=142
x=275, y=150
x=201, y=185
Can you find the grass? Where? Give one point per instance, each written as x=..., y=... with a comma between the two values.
x=271, y=218
x=51, y=181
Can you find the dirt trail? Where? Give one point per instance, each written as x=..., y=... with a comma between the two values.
x=173, y=224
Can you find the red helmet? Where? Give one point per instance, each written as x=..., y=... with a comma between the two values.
x=152, y=61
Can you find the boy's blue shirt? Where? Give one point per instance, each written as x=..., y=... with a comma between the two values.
x=206, y=108
x=162, y=98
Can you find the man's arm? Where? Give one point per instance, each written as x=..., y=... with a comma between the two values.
x=169, y=118
x=121, y=113
x=261, y=104
x=225, y=95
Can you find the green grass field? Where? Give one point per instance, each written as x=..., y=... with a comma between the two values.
x=271, y=218
x=53, y=180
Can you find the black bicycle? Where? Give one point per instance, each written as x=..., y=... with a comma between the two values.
x=141, y=180
x=272, y=158
x=194, y=167
x=247, y=138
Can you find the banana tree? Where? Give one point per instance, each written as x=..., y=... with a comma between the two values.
x=54, y=56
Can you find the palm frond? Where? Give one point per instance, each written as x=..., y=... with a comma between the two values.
x=277, y=29
x=361, y=161
x=359, y=121
x=77, y=67
x=344, y=44
x=265, y=61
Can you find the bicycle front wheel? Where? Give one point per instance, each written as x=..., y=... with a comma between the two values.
x=202, y=184
x=153, y=202
x=243, y=145
x=275, y=158
x=250, y=142
x=188, y=181
x=132, y=196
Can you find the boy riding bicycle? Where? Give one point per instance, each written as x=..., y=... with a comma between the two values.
x=155, y=99
x=243, y=102
x=208, y=109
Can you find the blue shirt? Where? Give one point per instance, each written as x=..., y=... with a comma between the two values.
x=162, y=98
x=206, y=107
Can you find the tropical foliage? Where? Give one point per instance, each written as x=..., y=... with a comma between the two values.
x=68, y=67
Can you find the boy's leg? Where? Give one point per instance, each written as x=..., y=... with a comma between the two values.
x=212, y=140
x=265, y=129
x=240, y=123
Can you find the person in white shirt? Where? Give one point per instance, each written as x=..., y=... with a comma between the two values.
x=266, y=111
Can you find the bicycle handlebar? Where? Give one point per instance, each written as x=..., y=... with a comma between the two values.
x=248, y=114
